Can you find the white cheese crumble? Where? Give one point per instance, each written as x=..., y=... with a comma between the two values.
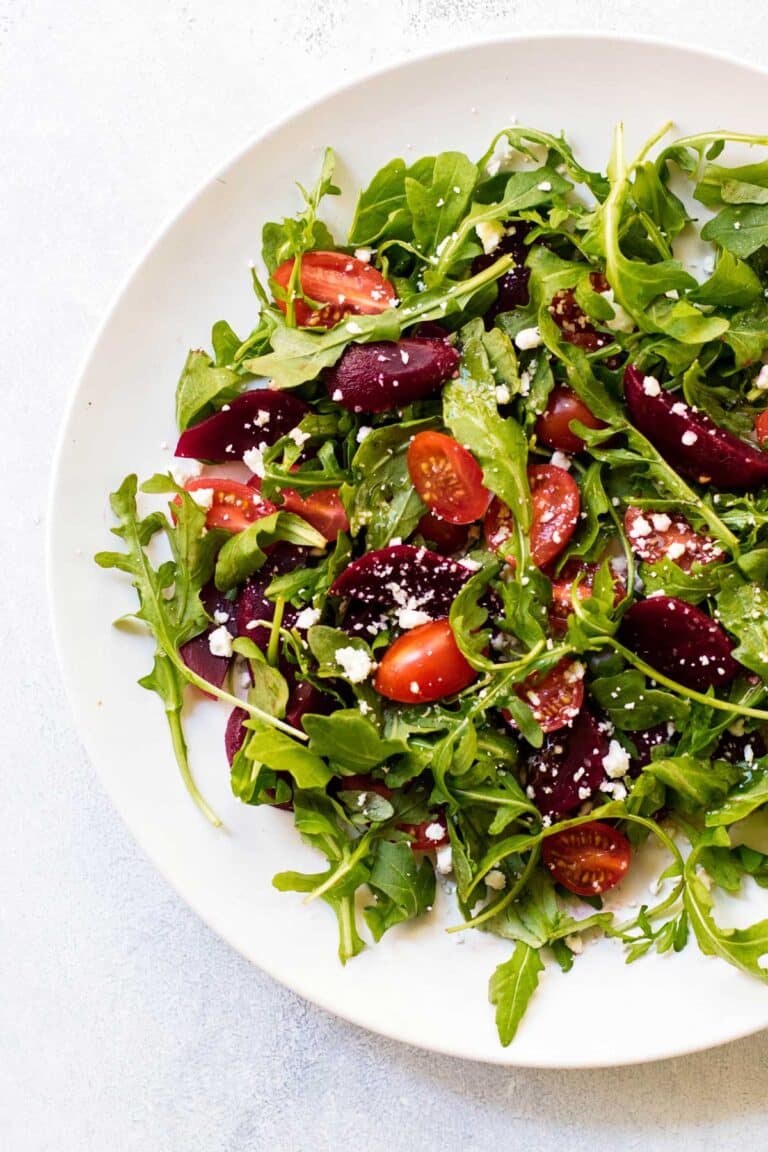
x=183, y=470
x=262, y=418
x=408, y=618
x=616, y=761
x=489, y=233
x=689, y=438
x=353, y=328
x=640, y=527
x=528, y=338
x=414, y=686
x=676, y=550
x=220, y=642
x=203, y=497
x=364, y=254
x=362, y=432
x=444, y=859
x=299, y=438
x=434, y=831
x=560, y=460
x=355, y=664
x=496, y=879
x=220, y=617
x=337, y=395
x=307, y=618
x=503, y=395
x=651, y=386
x=661, y=521
x=621, y=321
x=679, y=409
x=545, y=186
x=761, y=380
x=254, y=460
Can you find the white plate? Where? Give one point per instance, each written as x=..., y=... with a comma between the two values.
x=420, y=985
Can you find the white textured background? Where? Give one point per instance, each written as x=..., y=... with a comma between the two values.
x=124, y=1024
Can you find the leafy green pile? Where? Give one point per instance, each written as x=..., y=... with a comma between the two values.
x=363, y=777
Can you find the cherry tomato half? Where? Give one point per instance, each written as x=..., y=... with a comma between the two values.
x=322, y=509
x=445, y=537
x=428, y=835
x=554, y=698
x=234, y=506
x=562, y=588
x=423, y=665
x=589, y=859
x=552, y=427
x=341, y=284
x=556, y=504
x=761, y=428
x=655, y=535
x=447, y=477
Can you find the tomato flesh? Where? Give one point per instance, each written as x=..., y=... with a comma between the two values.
x=562, y=590
x=553, y=426
x=423, y=665
x=447, y=538
x=447, y=477
x=555, y=698
x=342, y=285
x=761, y=428
x=656, y=535
x=589, y=859
x=234, y=506
x=322, y=509
x=428, y=835
x=555, y=505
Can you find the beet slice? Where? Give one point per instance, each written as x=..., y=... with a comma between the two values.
x=234, y=733
x=403, y=576
x=364, y=620
x=680, y=641
x=196, y=653
x=512, y=286
x=689, y=440
x=388, y=374
x=734, y=748
x=304, y=698
x=644, y=743
x=252, y=603
x=567, y=769
x=259, y=417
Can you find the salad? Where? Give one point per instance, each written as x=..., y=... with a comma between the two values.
x=470, y=535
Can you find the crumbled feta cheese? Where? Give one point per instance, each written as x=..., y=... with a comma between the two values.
x=364, y=707
x=434, y=831
x=362, y=432
x=364, y=254
x=496, y=879
x=337, y=395
x=651, y=386
x=220, y=641
x=616, y=761
x=679, y=409
x=444, y=859
x=545, y=186
x=414, y=686
x=203, y=497
x=220, y=617
x=490, y=234
x=676, y=550
x=689, y=438
x=615, y=788
x=621, y=321
x=661, y=521
x=307, y=618
x=299, y=438
x=355, y=664
x=761, y=380
x=262, y=418
x=353, y=328
x=254, y=460
x=503, y=395
x=528, y=338
x=408, y=618
x=640, y=527
x=183, y=470
x=575, y=943
x=560, y=460
x=574, y=672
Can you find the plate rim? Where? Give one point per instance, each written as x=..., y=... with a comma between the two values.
x=506, y=1056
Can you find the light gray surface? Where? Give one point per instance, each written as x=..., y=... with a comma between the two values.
x=124, y=1024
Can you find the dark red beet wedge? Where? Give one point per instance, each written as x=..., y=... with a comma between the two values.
x=388, y=374
x=689, y=440
x=259, y=417
x=567, y=769
x=196, y=653
x=234, y=733
x=513, y=285
x=306, y=698
x=402, y=576
x=645, y=742
x=252, y=603
x=680, y=641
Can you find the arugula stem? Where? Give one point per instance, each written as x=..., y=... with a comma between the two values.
x=235, y=701
x=273, y=648
x=182, y=759
x=499, y=905
x=343, y=870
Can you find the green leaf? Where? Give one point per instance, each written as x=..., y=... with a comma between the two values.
x=697, y=783
x=733, y=284
x=742, y=608
x=203, y=387
x=382, y=499
x=719, y=185
x=511, y=988
x=295, y=236
x=739, y=229
x=751, y=794
x=350, y=739
x=225, y=343
x=404, y=886
x=244, y=552
x=283, y=754
x=632, y=706
x=437, y=208
x=684, y=322
x=382, y=211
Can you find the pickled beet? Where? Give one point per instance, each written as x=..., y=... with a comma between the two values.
x=234, y=733
x=689, y=440
x=573, y=322
x=259, y=417
x=388, y=374
x=645, y=742
x=680, y=641
x=512, y=285
x=196, y=653
x=734, y=748
x=567, y=769
x=305, y=697
x=253, y=604
x=403, y=576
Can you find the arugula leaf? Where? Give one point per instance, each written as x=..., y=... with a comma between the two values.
x=282, y=754
x=750, y=795
x=739, y=229
x=382, y=499
x=511, y=988
x=437, y=208
x=669, y=579
x=294, y=236
x=382, y=211
x=226, y=343
x=632, y=706
x=348, y=738
x=404, y=887
x=743, y=609
x=733, y=284
x=244, y=552
x=202, y=387
x=696, y=783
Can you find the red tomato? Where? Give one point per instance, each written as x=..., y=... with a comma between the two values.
x=447, y=538
x=562, y=605
x=552, y=427
x=554, y=698
x=556, y=505
x=447, y=477
x=322, y=509
x=428, y=835
x=761, y=428
x=423, y=665
x=589, y=859
x=341, y=284
x=654, y=535
x=234, y=505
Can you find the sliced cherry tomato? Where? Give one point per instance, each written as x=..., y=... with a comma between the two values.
x=553, y=426
x=447, y=477
x=556, y=505
x=322, y=509
x=554, y=698
x=447, y=538
x=340, y=284
x=654, y=535
x=234, y=506
x=589, y=859
x=761, y=428
x=562, y=588
x=428, y=835
x=423, y=665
